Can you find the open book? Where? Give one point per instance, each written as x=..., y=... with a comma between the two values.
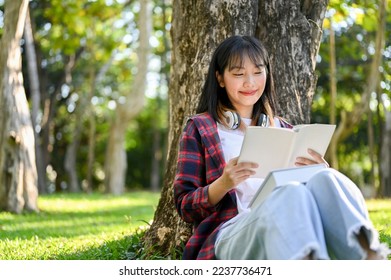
x=282, y=177
x=276, y=148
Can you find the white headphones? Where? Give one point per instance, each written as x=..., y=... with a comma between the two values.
x=233, y=120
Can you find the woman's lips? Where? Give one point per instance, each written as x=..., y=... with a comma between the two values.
x=249, y=93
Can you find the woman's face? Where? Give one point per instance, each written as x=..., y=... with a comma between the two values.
x=244, y=85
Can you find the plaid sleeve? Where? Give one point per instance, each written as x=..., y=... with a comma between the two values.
x=190, y=185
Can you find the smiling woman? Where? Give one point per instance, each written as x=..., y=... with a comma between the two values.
x=323, y=218
x=76, y=227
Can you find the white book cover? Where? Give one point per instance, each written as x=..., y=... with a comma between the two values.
x=282, y=177
x=276, y=148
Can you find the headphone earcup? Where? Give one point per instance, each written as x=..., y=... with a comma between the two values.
x=263, y=120
x=232, y=119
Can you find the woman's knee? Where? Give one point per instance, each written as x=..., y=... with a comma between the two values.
x=331, y=185
x=291, y=193
x=329, y=181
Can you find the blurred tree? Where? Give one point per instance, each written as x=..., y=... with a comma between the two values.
x=35, y=96
x=86, y=63
x=127, y=108
x=18, y=173
x=350, y=119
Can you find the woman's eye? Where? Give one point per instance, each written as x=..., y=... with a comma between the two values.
x=238, y=74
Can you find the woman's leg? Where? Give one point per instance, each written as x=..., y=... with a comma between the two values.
x=286, y=226
x=348, y=230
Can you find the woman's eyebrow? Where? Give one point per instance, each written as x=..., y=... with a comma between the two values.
x=240, y=67
x=260, y=65
x=236, y=67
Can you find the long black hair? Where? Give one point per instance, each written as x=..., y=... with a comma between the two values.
x=232, y=51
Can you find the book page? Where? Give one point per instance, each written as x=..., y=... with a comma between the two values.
x=313, y=136
x=270, y=147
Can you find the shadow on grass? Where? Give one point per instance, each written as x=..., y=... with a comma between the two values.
x=71, y=224
x=73, y=215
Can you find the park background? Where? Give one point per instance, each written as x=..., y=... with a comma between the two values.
x=88, y=123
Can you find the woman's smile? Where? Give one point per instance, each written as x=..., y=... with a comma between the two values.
x=248, y=93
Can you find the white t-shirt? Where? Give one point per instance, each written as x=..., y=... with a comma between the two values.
x=231, y=141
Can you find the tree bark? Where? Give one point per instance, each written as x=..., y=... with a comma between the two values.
x=35, y=94
x=291, y=31
x=295, y=29
x=18, y=173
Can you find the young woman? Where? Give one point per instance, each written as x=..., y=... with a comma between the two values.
x=325, y=218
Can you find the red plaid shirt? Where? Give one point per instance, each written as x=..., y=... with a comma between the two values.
x=200, y=163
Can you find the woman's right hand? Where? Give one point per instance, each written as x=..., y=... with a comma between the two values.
x=234, y=173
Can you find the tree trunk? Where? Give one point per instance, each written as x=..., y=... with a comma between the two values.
x=291, y=31
x=95, y=79
x=50, y=105
x=294, y=42
x=35, y=94
x=91, y=131
x=115, y=162
x=115, y=169
x=18, y=173
x=72, y=148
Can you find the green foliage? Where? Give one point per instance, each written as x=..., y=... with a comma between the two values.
x=75, y=226
x=84, y=24
x=140, y=139
x=354, y=23
x=101, y=36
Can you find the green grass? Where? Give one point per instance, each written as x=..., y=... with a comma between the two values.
x=76, y=226
x=102, y=227
x=380, y=214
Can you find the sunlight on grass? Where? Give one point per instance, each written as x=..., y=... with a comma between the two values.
x=76, y=226
x=100, y=227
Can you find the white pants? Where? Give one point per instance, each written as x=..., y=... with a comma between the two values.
x=322, y=217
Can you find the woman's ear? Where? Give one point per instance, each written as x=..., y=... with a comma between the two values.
x=220, y=79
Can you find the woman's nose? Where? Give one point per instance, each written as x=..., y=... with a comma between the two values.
x=249, y=81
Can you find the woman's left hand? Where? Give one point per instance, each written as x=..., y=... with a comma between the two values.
x=315, y=159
